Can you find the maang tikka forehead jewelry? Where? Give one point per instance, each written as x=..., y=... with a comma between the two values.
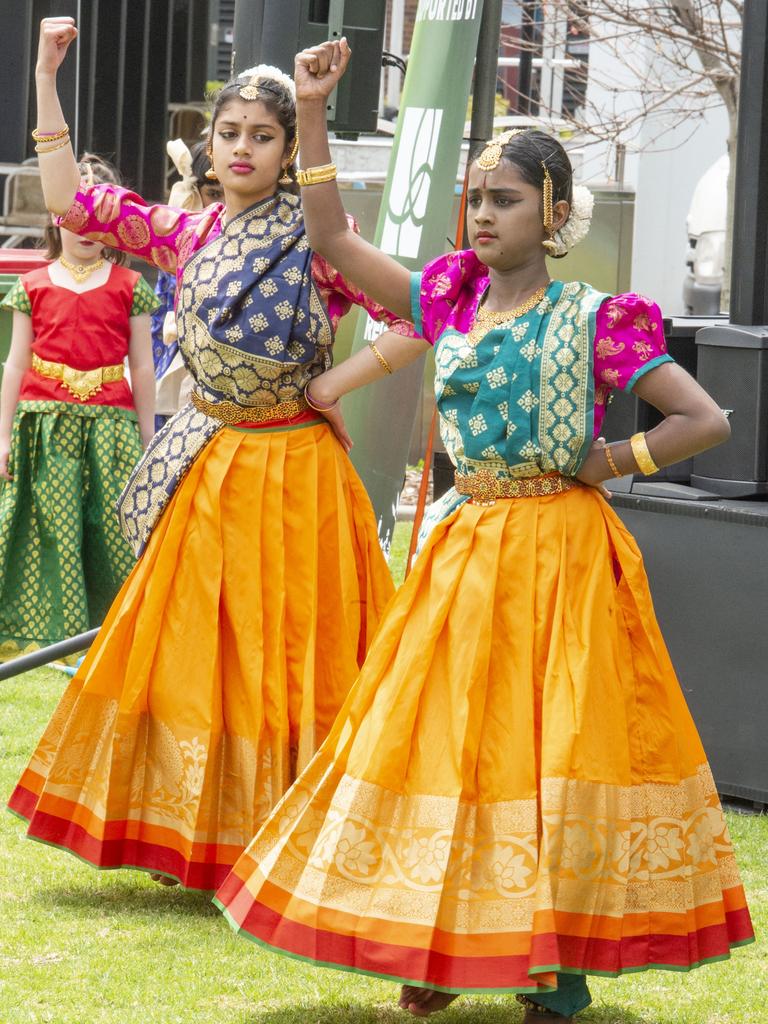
x=494, y=149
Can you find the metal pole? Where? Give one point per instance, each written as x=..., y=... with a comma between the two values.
x=526, y=58
x=486, y=75
x=73, y=645
x=749, y=275
x=246, y=33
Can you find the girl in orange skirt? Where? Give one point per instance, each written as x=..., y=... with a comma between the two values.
x=226, y=655
x=514, y=795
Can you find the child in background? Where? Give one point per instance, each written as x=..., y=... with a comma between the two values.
x=71, y=430
x=194, y=193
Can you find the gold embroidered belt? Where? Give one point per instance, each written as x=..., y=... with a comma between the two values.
x=231, y=413
x=80, y=383
x=484, y=487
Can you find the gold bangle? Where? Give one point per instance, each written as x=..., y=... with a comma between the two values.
x=380, y=358
x=318, y=408
x=611, y=463
x=316, y=175
x=39, y=136
x=52, y=149
x=642, y=455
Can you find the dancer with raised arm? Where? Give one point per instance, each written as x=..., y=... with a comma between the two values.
x=226, y=655
x=514, y=795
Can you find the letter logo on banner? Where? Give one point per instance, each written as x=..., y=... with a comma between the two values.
x=411, y=181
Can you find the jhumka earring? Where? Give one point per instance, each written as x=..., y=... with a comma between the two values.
x=286, y=179
x=210, y=174
x=550, y=245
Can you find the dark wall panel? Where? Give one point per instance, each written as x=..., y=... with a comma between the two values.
x=135, y=56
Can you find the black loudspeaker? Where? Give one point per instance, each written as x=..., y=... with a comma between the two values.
x=274, y=31
x=733, y=368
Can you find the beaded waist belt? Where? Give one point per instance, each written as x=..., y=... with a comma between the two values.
x=231, y=413
x=80, y=383
x=484, y=487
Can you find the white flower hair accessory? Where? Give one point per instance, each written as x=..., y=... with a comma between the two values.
x=576, y=227
x=260, y=71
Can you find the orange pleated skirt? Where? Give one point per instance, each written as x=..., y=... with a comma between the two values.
x=514, y=786
x=221, y=664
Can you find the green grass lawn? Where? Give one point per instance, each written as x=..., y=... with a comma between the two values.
x=78, y=946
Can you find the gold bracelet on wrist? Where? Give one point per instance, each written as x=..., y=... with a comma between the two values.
x=611, y=463
x=316, y=175
x=323, y=406
x=52, y=149
x=642, y=455
x=39, y=136
x=380, y=358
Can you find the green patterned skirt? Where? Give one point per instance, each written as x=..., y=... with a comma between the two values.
x=62, y=556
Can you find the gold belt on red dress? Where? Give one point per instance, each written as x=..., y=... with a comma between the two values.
x=80, y=383
x=484, y=487
x=231, y=413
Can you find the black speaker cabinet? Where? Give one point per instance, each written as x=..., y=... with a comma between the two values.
x=733, y=368
x=273, y=32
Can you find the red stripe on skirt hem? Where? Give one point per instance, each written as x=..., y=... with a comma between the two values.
x=493, y=973
x=118, y=851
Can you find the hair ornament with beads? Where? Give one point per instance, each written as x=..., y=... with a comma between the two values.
x=260, y=76
x=491, y=155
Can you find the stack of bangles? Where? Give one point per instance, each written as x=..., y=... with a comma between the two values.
x=49, y=142
x=641, y=454
x=314, y=404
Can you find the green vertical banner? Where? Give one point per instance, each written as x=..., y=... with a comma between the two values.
x=414, y=221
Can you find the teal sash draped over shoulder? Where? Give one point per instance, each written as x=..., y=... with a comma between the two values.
x=519, y=402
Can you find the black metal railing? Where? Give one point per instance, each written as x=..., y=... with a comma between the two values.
x=44, y=656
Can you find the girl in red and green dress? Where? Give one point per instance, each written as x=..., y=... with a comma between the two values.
x=71, y=430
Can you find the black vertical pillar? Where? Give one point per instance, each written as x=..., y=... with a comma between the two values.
x=733, y=359
x=749, y=278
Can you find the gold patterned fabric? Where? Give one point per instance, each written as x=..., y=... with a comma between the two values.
x=62, y=557
x=80, y=383
x=252, y=331
x=515, y=788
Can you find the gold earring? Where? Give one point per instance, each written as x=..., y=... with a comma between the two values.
x=285, y=178
x=210, y=174
x=550, y=246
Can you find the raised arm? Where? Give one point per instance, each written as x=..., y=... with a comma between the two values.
x=59, y=173
x=387, y=282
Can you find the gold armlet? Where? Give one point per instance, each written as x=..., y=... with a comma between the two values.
x=380, y=358
x=643, y=457
x=316, y=175
x=611, y=463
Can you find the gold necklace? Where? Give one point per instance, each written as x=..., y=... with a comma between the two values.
x=486, y=319
x=80, y=271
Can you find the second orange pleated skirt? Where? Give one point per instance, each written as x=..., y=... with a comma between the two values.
x=514, y=788
x=221, y=664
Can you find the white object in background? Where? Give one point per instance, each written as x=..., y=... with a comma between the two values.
x=706, y=224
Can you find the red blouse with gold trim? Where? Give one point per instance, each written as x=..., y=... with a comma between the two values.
x=84, y=330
